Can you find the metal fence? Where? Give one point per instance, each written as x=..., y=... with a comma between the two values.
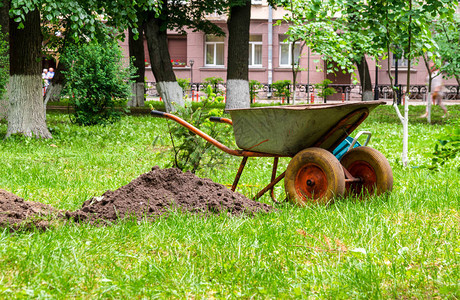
x=303, y=92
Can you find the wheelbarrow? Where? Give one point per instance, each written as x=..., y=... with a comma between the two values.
x=309, y=134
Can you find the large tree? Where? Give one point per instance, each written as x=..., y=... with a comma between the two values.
x=26, y=111
x=137, y=56
x=4, y=60
x=238, y=55
x=176, y=15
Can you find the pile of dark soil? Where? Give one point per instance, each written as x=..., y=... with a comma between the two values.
x=152, y=194
x=159, y=191
x=15, y=213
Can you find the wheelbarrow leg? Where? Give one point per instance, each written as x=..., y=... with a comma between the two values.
x=240, y=171
x=270, y=186
x=272, y=190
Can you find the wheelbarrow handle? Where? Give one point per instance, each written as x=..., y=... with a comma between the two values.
x=369, y=135
x=221, y=120
x=158, y=114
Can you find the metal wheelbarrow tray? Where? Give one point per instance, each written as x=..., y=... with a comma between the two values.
x=308, y=133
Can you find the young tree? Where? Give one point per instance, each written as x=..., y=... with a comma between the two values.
x=335, y=30
x=447, y=37
x=403, y=26
x=238, y=95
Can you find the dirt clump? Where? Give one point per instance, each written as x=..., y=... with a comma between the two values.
x=159, y=191
x=16, y=214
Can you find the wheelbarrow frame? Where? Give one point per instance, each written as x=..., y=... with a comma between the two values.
x=342, y=124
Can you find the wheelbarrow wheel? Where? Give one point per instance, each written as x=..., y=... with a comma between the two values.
x=314, y=176
x=371, y=167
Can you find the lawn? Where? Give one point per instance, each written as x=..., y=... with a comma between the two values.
x=402, y=245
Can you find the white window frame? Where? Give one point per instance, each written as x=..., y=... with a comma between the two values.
x=402, y=62
x=252, y=54
x=282, y=42
x=214, y=44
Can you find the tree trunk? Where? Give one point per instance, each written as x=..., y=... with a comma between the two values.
x=26, y=110
x=136, y=53
x=238, y=95
x=365, y=78
x=5, y=25
x=160, y=60
x=53, y=92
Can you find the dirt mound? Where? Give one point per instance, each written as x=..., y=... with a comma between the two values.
x=150, y=195
x=155, y=193
x=15, y=213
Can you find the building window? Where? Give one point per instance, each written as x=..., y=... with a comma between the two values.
x=177, y=46
x=214, y=50
x=255, y=50
x=286, y=51
x=402, y=62
x=256, y=2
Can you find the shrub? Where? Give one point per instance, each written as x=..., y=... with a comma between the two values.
x=214, y=83
x=281, y=88
x=97, y=83
x=254, y=85
x=324, y=90
x=184, y=83
x=447, y=146
x=191, y=152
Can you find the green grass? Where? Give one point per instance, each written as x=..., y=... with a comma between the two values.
x=404, y=245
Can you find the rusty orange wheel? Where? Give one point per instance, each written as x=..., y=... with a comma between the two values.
x=371, y=167
x=314, y=175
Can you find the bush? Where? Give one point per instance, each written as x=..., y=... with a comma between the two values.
x=97, y=83
x=281, y=88
x=4, y=65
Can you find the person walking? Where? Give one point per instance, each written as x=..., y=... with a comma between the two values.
x=45, y=80
x=437, y=87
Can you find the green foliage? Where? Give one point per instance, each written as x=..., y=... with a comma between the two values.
x=324, y=89
x=184, y=83
x=214, y=83
x=4, y=65
x=281, y=88
x=344, y=31
x=254, y=85
x=447, y=37
x=191, y=152
x=97, y=83
x=447, y=146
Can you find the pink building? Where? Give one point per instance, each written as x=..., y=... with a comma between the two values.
x=197, y=56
